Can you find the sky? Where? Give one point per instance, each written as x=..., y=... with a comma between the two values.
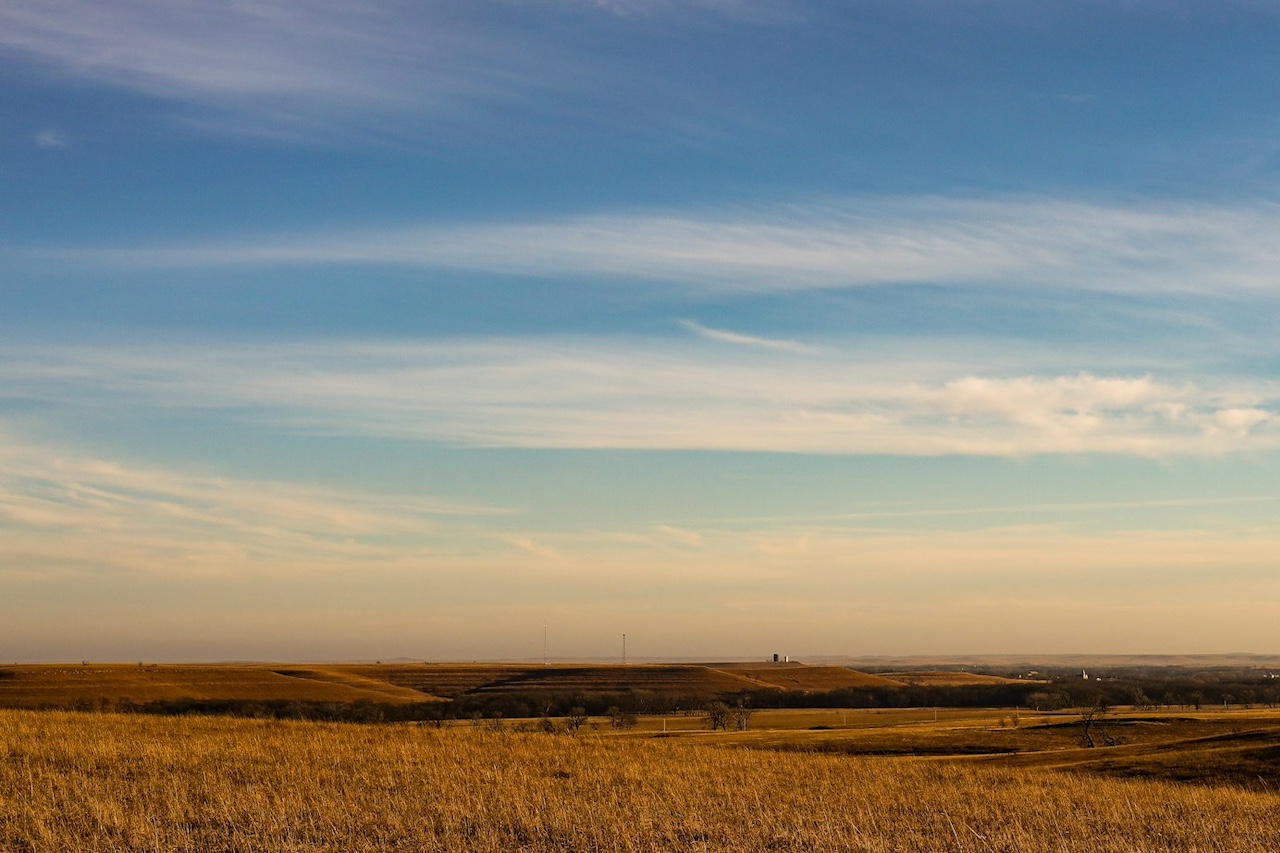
x=361, y=330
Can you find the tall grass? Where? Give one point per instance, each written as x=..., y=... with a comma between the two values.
x=72, y=782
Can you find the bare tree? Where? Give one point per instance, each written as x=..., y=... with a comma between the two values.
x=576, y=720
x=718, y=716
x=621, y=720
x=725, y=717
x=1093, y=720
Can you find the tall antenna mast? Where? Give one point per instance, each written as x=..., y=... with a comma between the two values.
x=624, y=649
x=544, y=642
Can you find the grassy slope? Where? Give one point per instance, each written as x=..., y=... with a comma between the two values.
x=108, y=783
x=948, y=679
x=811, y=678
x=1240, y=747
x=65, y=685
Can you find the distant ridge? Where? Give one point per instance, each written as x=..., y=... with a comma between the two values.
x=1032, y=660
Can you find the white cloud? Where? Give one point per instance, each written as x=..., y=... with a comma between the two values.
x=689, y=394
x=726, y=337
x=51, y=138
x=1240, y=421
x=1015, y=243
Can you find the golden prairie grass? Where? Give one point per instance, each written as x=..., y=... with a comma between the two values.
x=63, y=685
x=131, y=783
x=811, y=678
x=946, y=679
x=667, y=679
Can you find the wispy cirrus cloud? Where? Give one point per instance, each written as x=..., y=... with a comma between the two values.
x=327, y=69
x=62, y=508
x=274, y=66
x=736, y=338
x=690, y=395
x=1017, y=243
x=107, y=538
x=51, y=138
x=750, y=10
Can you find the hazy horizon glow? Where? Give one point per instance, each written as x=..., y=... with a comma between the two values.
x=388, y=329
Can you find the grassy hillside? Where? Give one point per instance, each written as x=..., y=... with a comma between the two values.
x=71, y=685
x=809, y=679
x=679, y=680
x=68, y=685
x=946, y=679
x=1241, y=746
x=90, y=783
x=404, y=691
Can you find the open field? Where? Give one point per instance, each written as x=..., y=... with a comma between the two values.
x=106, y=782
x=520, y=689
x=944, y=679
x=65, y=685
x=1017, y=662
x=68, y=685
x=1240, y=747
x=812, y=678
x=686, y=680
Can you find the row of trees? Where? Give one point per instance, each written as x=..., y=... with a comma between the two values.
x=719, y=715
x=1138, y=696
x=732, y=712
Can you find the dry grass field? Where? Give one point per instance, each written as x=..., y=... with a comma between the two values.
x=945, y=679
x=1240, y=747
x=677, y=680
x=690, y=680
x=847, y=779
x=811, y=678
x=444, y=679
x=89, y=782
x=65, y=685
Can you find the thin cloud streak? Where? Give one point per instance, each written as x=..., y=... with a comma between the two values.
x=695, y=396
x=737, y=339
x=1014, y=243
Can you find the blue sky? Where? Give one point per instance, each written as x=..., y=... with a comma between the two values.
x=356, y=330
